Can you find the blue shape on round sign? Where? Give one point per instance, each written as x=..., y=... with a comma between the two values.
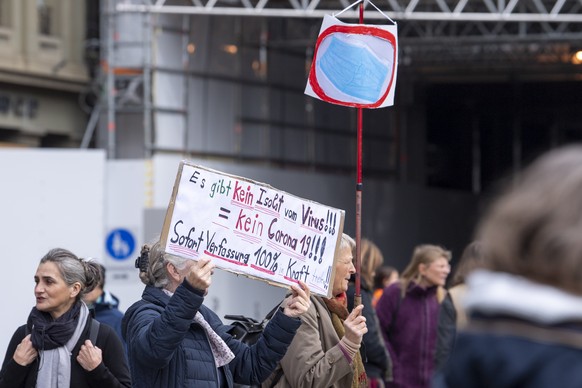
x=120, y=244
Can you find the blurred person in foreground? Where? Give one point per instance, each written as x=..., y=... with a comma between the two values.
x=452, y=314
x=174, y=340
x=408, y=313
x=525, y=305
x=325, y=351
x=54, y=348
x=104, y=304
x=376, y=361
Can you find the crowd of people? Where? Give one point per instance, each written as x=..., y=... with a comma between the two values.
x=510, y=316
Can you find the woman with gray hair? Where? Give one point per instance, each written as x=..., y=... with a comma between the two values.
x=325, y=352
x=61, y=345
x=174, y=340
x=525, y=305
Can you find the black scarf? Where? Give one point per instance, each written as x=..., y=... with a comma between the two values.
x=46, y=333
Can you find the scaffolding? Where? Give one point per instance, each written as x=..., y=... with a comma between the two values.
x=431, y=33
x=539, y=11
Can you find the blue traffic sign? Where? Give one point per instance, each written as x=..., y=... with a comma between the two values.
x=120, y=244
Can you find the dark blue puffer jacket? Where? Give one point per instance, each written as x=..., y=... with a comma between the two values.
x=107, y=311
x=493, y=360
x=167, y=349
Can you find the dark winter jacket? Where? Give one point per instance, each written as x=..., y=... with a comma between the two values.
x=107, y=311
x=409, y=327
x=112, y=372
x=376, y=360
x=446, y=332
x=488, y=359
x=167, y=349
x=520, y=334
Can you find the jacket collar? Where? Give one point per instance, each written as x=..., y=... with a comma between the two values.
x=156, y=296
x=107, y=301
x=415, y=290
x=497, y=293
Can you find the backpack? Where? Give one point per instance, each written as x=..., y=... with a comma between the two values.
x=248, y=330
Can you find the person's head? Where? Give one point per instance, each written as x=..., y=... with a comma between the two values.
x=91, y=297
x=428, y=267
x=344, y=267
x=385, y=276
x=160, y=269
x=534, y=229
x=61, y=279
x=471, y=258
x=372, y=259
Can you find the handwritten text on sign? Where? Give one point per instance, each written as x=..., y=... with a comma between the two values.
x=253, y=229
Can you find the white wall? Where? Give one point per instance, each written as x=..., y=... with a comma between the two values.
x=127, y=192
x=48, y=199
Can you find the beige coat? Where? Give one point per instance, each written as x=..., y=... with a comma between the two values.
x=458, y=293
x=314, y=359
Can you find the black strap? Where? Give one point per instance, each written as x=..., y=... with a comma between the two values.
x=94, y=331
x=272, y=312
x=277, y=377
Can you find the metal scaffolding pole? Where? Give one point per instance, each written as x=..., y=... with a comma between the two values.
x=110, y=75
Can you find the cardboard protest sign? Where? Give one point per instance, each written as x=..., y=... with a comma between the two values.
x=354, y=64
x=252, y=229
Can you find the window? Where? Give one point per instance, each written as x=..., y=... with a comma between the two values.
x=47, y=17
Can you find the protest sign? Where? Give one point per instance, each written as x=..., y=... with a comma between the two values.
x=251, y=228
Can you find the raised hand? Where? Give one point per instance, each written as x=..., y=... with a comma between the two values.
x=355, y=325
x=298, y=302
x=90, y=356
x=200, y=275
x=25, y=353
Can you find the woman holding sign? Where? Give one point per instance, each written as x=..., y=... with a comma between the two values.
x=325, y=351
x=61, y=345
x=175, y=341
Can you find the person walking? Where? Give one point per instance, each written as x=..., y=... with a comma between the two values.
x=61, y=345
x=408, y=312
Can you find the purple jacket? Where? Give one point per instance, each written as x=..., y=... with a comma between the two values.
x=412, y=342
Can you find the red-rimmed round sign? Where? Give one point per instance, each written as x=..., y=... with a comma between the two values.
x=354, y=65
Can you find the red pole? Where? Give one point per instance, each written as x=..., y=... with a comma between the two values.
x=358, y=296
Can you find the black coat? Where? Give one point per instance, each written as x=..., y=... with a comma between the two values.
x=112, y=372
x=375, y=355
x=446, y=332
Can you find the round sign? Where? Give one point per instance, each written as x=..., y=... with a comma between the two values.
x=120, y=244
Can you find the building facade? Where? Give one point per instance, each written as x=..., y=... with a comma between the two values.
x=43, y=73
